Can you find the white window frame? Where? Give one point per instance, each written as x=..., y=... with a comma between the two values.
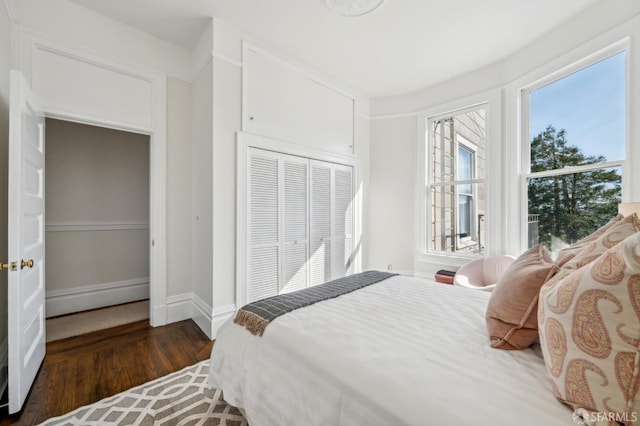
x=492, y=102
x=575, y=61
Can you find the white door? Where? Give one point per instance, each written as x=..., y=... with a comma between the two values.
x=26, y=327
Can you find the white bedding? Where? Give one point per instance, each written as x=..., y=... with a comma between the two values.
x=404, y=351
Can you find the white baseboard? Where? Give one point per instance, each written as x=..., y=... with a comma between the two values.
x=4, y=361
x=202, y=315
x=61, y=302
x=220, y=316
x=190, y=306
x=179, y=308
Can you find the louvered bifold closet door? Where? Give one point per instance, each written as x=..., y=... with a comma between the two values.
x=295, y=223
x=321, y=223
x=263, y=228
x=342, y=238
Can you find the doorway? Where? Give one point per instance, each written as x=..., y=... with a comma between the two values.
x=96, y=227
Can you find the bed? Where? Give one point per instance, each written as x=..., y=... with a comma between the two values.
x=404, y=351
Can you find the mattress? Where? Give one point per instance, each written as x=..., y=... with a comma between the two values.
x=404, y=351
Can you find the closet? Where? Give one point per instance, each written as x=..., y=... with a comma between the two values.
x=299, y=222
x=97, y=217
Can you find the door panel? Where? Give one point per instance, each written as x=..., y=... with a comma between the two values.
x=26, y=322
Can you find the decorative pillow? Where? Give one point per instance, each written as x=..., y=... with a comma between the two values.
x=609, y=238
x=590, y=333
x=511, y=312
x=567, y=253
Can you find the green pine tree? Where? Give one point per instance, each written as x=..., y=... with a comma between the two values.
x=574, y=205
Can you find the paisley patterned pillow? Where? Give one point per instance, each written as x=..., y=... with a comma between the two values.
x=612, y=236
x=589, y=325
x=566, y=254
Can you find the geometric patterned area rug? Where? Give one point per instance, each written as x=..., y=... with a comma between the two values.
x=180, y=398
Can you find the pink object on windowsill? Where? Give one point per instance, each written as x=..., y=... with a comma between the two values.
x=483, y=273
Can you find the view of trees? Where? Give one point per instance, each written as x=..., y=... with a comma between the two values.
x=570, y=206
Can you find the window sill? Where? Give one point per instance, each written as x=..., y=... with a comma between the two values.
x=454, y=260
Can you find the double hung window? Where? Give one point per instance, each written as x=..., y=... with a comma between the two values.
x=456, y=158
x=574, y=150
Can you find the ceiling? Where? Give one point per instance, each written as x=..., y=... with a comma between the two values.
x=401, y=47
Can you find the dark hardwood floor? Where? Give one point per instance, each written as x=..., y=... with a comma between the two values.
x=84, y=369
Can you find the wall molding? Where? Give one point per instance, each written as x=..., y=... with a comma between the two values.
x=220, y=316
x=226, y=59
x=205, y=61
x=179, y=307
x=202, y=314
x=82, y=298
x=95, y=226
x=392, y=116
x=191, y=306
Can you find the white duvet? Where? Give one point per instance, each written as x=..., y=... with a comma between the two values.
x=404, y=351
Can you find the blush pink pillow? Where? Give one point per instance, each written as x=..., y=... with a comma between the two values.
x=512, y=309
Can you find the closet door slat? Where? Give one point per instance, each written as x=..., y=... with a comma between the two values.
x=321, y=222
x=263, y=226
x=295, y=223
x=343, y=220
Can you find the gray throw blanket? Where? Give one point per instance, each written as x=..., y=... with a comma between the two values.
x=257, y=315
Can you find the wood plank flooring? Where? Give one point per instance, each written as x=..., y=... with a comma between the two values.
x=84, y=369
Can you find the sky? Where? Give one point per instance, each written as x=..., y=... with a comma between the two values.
x=589, y=105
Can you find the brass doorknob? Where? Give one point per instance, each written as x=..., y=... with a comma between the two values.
x=28, y=263
x=4, y=266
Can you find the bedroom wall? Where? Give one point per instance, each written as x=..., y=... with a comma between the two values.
x=391, y=116
x=97, y=221
x=392, y=195
x=202, y=192
x=227, y=108
x=227, y=68
x=5, y=67
x=179, y=113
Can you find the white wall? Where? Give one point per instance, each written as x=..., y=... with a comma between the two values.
x=179, y=112
x=5, y=67
x=606, y=22
x=95, y=178
x=227, y=81
x=73, y=25
x=391, y=202
x=202, y=185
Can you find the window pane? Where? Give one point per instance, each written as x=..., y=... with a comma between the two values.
x=566, y=208
x=444, y=137
x=465, y=163
x=580, y=119
x=457, y=219
x=464, y=215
